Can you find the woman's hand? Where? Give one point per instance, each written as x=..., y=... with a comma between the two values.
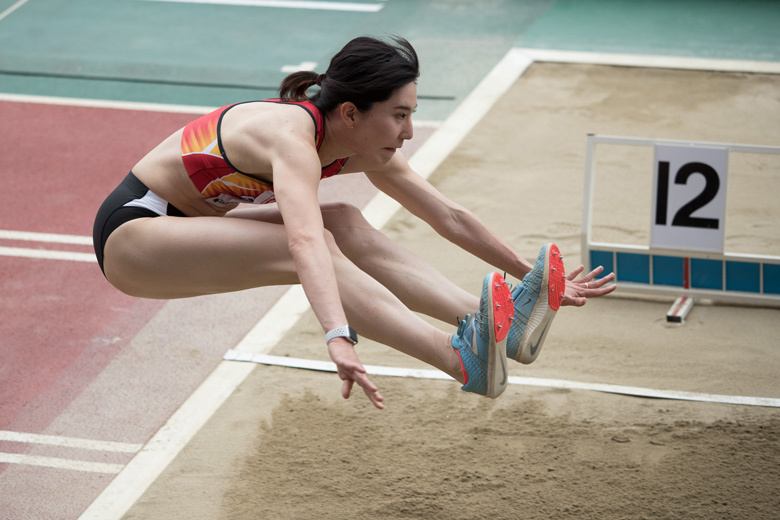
x=578, y=290
x=351, y=371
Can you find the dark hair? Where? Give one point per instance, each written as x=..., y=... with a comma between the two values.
x=365, y=71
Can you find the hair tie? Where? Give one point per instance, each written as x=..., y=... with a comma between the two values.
x=320, y=79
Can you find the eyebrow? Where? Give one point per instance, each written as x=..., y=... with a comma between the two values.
x=404, y=107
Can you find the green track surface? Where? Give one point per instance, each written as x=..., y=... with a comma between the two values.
x=195, y=54
x=209, y=55
x=717, y=29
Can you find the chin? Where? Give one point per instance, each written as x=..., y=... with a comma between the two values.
x=387, y=154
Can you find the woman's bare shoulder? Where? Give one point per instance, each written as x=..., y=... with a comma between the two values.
x=259, y=133
x=262, y=118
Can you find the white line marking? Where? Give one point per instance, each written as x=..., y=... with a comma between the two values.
x=290, y=4
x=13, y=8
x=143, y=470
x=69, y=442
x=661, y=62
x=102, y=103
x=57, y=238
x=304, y=65
x=47, y=254
x=327, y=366
x=52, y=462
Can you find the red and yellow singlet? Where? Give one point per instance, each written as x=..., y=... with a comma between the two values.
x=211, y=171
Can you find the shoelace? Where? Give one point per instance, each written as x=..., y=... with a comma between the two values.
x=462, y=325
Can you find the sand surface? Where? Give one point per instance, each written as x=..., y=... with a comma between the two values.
x=286, y=446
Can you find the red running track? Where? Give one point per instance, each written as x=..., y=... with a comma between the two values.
x=62, y=324
x=61, y=319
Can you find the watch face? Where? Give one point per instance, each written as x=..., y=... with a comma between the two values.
x=353, y=335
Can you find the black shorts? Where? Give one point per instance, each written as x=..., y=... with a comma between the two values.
x=129, y=201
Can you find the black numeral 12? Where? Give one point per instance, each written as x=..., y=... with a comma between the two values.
x=683, y=216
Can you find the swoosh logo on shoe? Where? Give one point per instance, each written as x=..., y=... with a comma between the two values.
x=525, y=308
x=535, y=347
x=503, y=369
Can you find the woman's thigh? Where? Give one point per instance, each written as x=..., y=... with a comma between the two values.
x=335, y=215
x=176, y=257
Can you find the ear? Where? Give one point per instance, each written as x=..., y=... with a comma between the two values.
x=348, y=113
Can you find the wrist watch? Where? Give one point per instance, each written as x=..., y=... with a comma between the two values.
x=342, y=332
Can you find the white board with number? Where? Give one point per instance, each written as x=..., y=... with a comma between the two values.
x=689, y=198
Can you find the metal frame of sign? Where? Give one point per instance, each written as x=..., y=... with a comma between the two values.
x=728, y=277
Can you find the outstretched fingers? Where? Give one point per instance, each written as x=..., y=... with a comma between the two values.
x=578, y=290
x=369, y=388
x=351, y=371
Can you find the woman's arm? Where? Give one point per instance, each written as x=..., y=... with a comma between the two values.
x=296, y=174
x=449, y=219
x=460, y=226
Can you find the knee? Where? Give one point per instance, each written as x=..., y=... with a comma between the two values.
x=343, y=215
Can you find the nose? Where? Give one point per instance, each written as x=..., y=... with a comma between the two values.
x=407, y=131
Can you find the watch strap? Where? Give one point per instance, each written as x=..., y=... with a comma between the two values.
x=342, y=332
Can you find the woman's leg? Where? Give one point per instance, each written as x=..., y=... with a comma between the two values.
x=170, y=257
x=420, y=286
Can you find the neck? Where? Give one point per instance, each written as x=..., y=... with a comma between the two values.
x=333, y=145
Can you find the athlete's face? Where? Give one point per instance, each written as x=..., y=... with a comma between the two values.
x=385, y=127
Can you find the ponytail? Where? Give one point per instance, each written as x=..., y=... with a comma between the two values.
x=295, y=85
